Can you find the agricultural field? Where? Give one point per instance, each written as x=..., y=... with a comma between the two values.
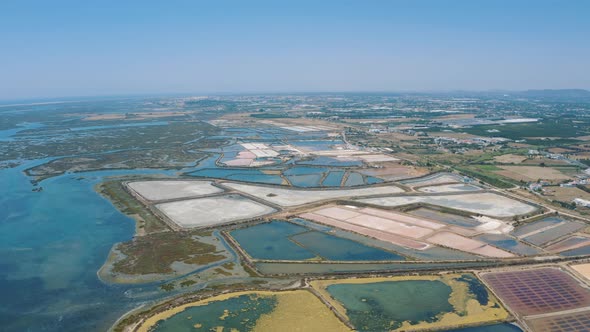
x=509, y=159
x=532, y=173
x=565, y=194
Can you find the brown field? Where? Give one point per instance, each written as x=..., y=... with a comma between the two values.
x=560, y=150
x=383, y=120
x=452, y=135
x=546, y=161
x=581, y=155
x=456, y=116
x=532, y=173
x=583, y=269
x=395, y=171
x=566, y=194
x=510, y=159
x=519, y=145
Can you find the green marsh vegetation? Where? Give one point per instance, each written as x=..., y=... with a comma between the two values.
x=154, y=253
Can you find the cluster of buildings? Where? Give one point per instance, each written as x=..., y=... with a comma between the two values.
x=481, y=141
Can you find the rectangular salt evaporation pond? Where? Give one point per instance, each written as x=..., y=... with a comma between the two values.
x=315, y=145
x=567, y=322
x=161, y=190
x=330, y=161
x=546, y=230
x=279, y=240
x=305, y=181
x=294, y=197
x=582, y=251
x=508, y=243
x=304, y=176
x=489, y=204
x=354, y=179
x=339, y=249
x=211, y=211
x=333, y=179
x=326, y=268
x=305, y=170
x=433, y=253
x=270, y=241
x=538, y=291
x=432, y=179
x=528, y=228
x=448, y=188
x=447, y=218
x=544, y=237
x=569, y=243
x=238, y=174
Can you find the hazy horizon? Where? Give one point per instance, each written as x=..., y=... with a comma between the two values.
x=83, y=98
x=68, y=49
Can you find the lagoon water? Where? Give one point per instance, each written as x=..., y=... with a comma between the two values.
x=281, y=240
x=385, y=305
x=239, y=313
x=52, y=243
x=503, y=327
x=275, y=245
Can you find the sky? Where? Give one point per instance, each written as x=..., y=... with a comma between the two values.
x=87, y=48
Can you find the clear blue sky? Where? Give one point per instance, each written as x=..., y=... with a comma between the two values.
x=52, y=48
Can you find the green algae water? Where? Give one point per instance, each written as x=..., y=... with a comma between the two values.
x=385, y=305
x=239, y=313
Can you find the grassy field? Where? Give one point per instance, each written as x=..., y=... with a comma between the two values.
x=486, y=174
